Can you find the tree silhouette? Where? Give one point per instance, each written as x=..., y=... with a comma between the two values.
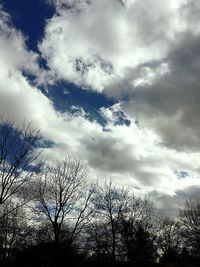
x=138, y=220
x=190, y=219
x=62, y=196
x=18, y=159
x=109, y=202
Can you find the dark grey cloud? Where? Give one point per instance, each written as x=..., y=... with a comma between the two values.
x=170, y=103
x=191, y=11
x=143, y=53
x=105, y=154
x=171, y=205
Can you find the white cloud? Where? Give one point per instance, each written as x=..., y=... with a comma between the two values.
x=137, y=50
x=92, y=43
x=120, y=50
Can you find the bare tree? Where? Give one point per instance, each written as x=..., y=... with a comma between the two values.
x=98, y=241
x=14, y=230
x=190, y=220
x=110, y=202
x=138, y=223
x=169, y=236
x=63, y=197
x=18, y=160
x=140, y=211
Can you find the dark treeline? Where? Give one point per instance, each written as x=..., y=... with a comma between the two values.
x=54, y=215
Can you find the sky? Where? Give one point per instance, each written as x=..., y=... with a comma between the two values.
x=113, y=82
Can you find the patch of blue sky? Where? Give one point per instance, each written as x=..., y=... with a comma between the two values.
x=68, y=97
x=29, y=16
x=182, y=174
x=12, y=139
x=121, y=119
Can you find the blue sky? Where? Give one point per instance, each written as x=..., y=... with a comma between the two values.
x=114, y=82
x=30, y=17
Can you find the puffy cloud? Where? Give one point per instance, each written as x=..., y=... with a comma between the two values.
x=92, y=43
x=137, y=50
x=12, y=48
x=148, y=55
x=127, y=48
x=171, y=205
x=169, y=104
x=19, y=100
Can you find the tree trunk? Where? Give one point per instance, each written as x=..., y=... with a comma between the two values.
x=56, y=245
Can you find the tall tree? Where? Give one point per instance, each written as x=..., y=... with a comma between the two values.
x=110, y=202
x=18, y=159
x=63, y=197
x=144, y=252
x=190, y=219
x=169, y=236
x=138, y=222
x=14, y=230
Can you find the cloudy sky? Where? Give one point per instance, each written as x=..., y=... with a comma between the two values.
x=115, y=82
